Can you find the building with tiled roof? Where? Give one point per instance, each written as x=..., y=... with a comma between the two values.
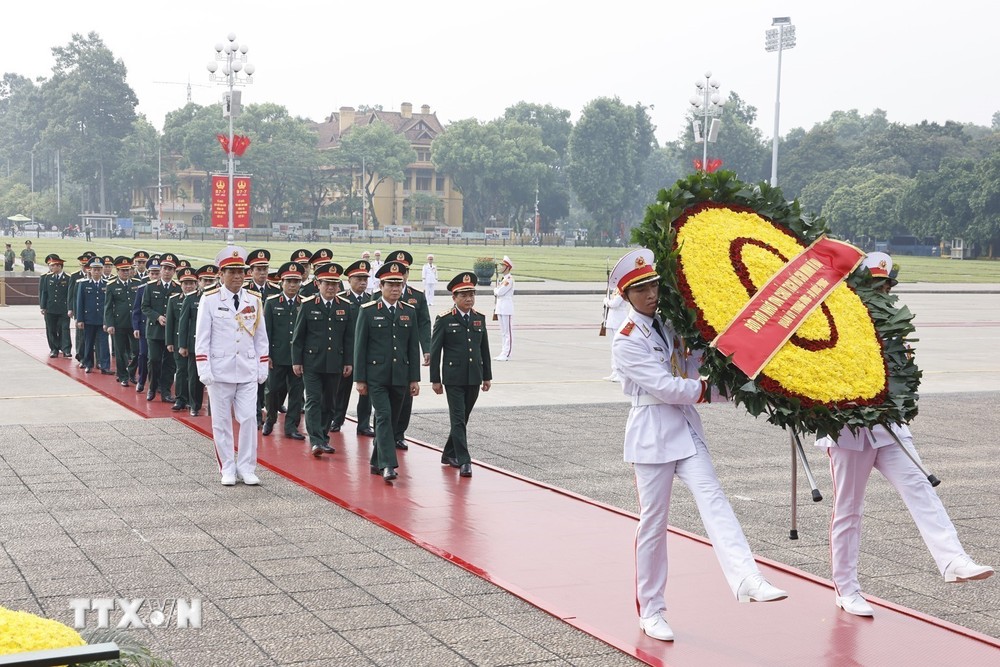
x=404, y=204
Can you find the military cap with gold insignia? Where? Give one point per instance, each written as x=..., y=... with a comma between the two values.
x=208, y=271
x=330, y=272
x=140, y=254
x=301, y=256
x=634, y=269
x=169, y=259
x=108, y=260
x=53, y=259
x=392, y=272
x=362, y=267
x=84, y=259
x=259, y=257
x=400, y=256
x=291, y=271
x=184, y=264
x=321, y=256
x=123, y=262
x=187, y=273
x=464, y=281
x=231, y=257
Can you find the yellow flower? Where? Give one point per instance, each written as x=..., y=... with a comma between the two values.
x=22, y=632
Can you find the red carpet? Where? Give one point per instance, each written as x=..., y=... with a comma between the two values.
x=572, y=557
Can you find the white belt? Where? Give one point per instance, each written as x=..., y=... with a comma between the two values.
x=645, y=399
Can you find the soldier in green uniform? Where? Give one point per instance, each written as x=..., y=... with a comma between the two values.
x=387, y=362
x=418, y=300
x=53, y=298
x=323, y=352
x=311, y=287
x=139, y=259
x=459, y=342
x=208, y=277
x=188, y=279
x=74, y=280
x=280, y=313
x=118, y=318
x=28, y=257
x=357, y=294
x=154, y=309
x=259, y=262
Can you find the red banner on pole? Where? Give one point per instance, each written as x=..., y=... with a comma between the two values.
x=241, y=202
x=220, y=200
x=778, y=308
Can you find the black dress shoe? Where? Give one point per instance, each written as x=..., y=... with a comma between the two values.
x=87, y=370
x=267, y=429
x=295, y=436
x=389, y=474
x=465, y=470
x=150, y=395
x=322, y=449
x=178, y=406
x=168, y=397
x=334, y=428
x=131, y=380
x=374, y=470
x=401, y=444
x=53, y=354
x=450, y=461
x=193, y=412
x=123, y=383
x=282, y=409
x=107, y=371
x=367, y=430
x=140, y=387
x=67, y=354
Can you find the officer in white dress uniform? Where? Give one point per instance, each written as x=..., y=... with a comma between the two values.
x=617, y=311
x=504, y=292
x=430, y=275
x=231, y=351
x=373, y=282
x=852, y=457
x=664, y=439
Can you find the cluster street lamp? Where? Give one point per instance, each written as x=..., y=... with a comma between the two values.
x=708, y=104
x=778, y=39
x=235, y=72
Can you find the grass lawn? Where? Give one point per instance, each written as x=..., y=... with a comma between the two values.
x=530, y=262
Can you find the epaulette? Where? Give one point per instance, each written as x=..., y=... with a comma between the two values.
x=175, y=294
x=273, y=296
x=369, y=304
x=447, y=312
x=414, y=289
x=211, y=291
x=151, y=281
x=626, y=330
x=343, y=293
x=252, y=291
x=307, y=299
x=80, y=280
x=408, y=305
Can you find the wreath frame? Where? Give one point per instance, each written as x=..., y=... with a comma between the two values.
x=893, y=325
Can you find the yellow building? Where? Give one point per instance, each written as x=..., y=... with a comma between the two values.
x=408, y=205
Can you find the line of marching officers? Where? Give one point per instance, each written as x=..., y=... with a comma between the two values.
x=323, y=341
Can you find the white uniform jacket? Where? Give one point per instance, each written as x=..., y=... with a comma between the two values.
x=230, y=346
x=504, y=292
x=847, y=440
x=617, y=310
x=430, y=275
x=662, y=402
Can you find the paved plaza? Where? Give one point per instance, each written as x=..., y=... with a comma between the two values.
x=102, y=503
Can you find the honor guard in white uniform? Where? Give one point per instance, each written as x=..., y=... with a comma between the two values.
x=664, y=439
x=430, y=275
x=231, y=352
x=504, y=293
x=852, y=457
x=617, y=310
x=373, y=282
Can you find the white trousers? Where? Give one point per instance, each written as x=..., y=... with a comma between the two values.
x=429, y=293
x=505, y=335
x=850, y=471
x=654, y=482
x=231, y=400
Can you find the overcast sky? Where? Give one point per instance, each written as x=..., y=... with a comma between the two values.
x=917, y=61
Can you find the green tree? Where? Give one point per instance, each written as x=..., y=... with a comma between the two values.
x=555, y=126
x=383, y=153
x=868, y=208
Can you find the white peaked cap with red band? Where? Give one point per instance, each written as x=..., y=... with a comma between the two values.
x=635, y=268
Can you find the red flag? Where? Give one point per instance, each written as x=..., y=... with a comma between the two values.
x=224, y=142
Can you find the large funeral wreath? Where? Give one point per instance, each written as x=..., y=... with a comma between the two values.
x=716, y=241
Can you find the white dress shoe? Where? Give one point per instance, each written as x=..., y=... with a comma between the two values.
x=755, y=588
x=229, y=480
x=657, y=627
x=250, y=479
x=855, y=604
x=964, y=569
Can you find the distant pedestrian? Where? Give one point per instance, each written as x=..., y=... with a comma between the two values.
x=28, y=257
x=8, y=258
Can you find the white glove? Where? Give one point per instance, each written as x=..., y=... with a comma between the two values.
x=206, y=379
x=262, y=375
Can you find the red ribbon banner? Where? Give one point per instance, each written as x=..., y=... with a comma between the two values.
x=220, y=200
x=778, y=308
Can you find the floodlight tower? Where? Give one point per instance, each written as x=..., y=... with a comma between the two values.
x=778, y=39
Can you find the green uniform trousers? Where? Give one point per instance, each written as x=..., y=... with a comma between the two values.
x=461, y=399
x=321, y=393
x=386, y=402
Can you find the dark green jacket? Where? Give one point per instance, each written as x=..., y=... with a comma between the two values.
x=74, y=278
x=175, y=306
x=464, y=350
x=279, y=320
x=387, y=351
x=54, y=292
x=118, y=304
x=416, y=299
x=187, y=320
x=154, y=304
x=323, y=339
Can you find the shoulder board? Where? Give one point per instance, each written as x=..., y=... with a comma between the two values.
x=413, y=289
x=273, y=296
x=211, y=291
x=369, y=304
x=152, y=282
x=175, y=294
x=447, y=312
x=626, y=330
x=79, y=280
x=252, y=291
x=345, y=293
x=307, y=299
x=408, y=305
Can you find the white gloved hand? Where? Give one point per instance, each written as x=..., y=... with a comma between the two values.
x=207, y=379
x=262, y=375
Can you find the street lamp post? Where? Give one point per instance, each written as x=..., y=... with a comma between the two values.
x=706, y=103
x=232, y=56
x=778, y=39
